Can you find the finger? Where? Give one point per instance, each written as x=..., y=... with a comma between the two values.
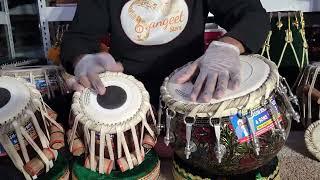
x=222, y=84
x=84, y=81
x=208, y=91
x=115, y=67
x=73, y=84
x=77, y=87
x=234, y=82
x=96, y=83
x=185, y=74
x=198, y=86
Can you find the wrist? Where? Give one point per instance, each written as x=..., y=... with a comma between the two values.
x=77, y=59
x=233, y=41
x=227, y=45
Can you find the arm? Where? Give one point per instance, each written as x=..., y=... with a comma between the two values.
x=90, y=24
x=246, y=21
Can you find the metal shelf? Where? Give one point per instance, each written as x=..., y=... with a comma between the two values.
x=5, y=20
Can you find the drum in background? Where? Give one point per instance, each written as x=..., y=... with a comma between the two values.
x=47, y=79
x=18, y=62
x=236, y=134
x=286, y=43
x=114, y=128
x=312, y=139
x=308, y=91
x=24, y=128
x=313, y=38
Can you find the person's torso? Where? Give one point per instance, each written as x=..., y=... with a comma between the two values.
x=156, y=36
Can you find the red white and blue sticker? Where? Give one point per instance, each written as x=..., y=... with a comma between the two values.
x=262, y=119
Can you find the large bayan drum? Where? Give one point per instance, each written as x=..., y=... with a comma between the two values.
x=286, y=43
x=115, y=130
x=24, y=129
x=47, y=79
x=236, y=134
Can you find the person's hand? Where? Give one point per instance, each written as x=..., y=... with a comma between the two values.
x=219, y=69
x=89, y=67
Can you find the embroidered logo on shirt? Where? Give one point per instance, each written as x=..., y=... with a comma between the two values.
x=154, y=22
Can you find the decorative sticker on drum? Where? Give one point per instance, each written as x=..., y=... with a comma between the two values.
x=13, y=137
x=41, y=85
x=263, y=122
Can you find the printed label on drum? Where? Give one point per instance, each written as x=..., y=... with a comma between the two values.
x=41, y=85
x=13, y=138
x=263, y=122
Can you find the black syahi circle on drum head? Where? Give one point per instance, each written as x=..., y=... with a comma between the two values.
x=114, y=98
x=5, y=97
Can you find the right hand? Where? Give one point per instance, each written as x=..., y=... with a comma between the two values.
x=89, y=67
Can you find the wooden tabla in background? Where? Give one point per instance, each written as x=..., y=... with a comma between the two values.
x=24, y=127
x=47, y=79
x=308, y=91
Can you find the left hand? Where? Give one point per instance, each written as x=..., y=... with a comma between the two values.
x=219, y=69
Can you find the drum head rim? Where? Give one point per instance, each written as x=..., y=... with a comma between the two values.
x=19, y=107
x=32, y=68
x=112, y=128
x=313, y=146
x=207, y=108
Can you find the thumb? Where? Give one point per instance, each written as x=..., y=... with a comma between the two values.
x=73, y=84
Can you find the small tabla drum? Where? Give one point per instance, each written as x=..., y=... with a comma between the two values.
x=25, y=121
x=47, y=79
x=114, y=129
x=236, y=134
x=286, y=43
x=312, y=139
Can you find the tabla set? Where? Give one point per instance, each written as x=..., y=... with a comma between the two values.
x=112, y=135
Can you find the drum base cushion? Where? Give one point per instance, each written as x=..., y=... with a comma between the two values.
x=149, y=169
x=60, y=170
x=269, y=171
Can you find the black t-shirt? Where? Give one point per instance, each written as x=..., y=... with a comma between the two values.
x=175, y=36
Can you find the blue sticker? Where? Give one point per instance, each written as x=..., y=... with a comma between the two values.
x=262, y=121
